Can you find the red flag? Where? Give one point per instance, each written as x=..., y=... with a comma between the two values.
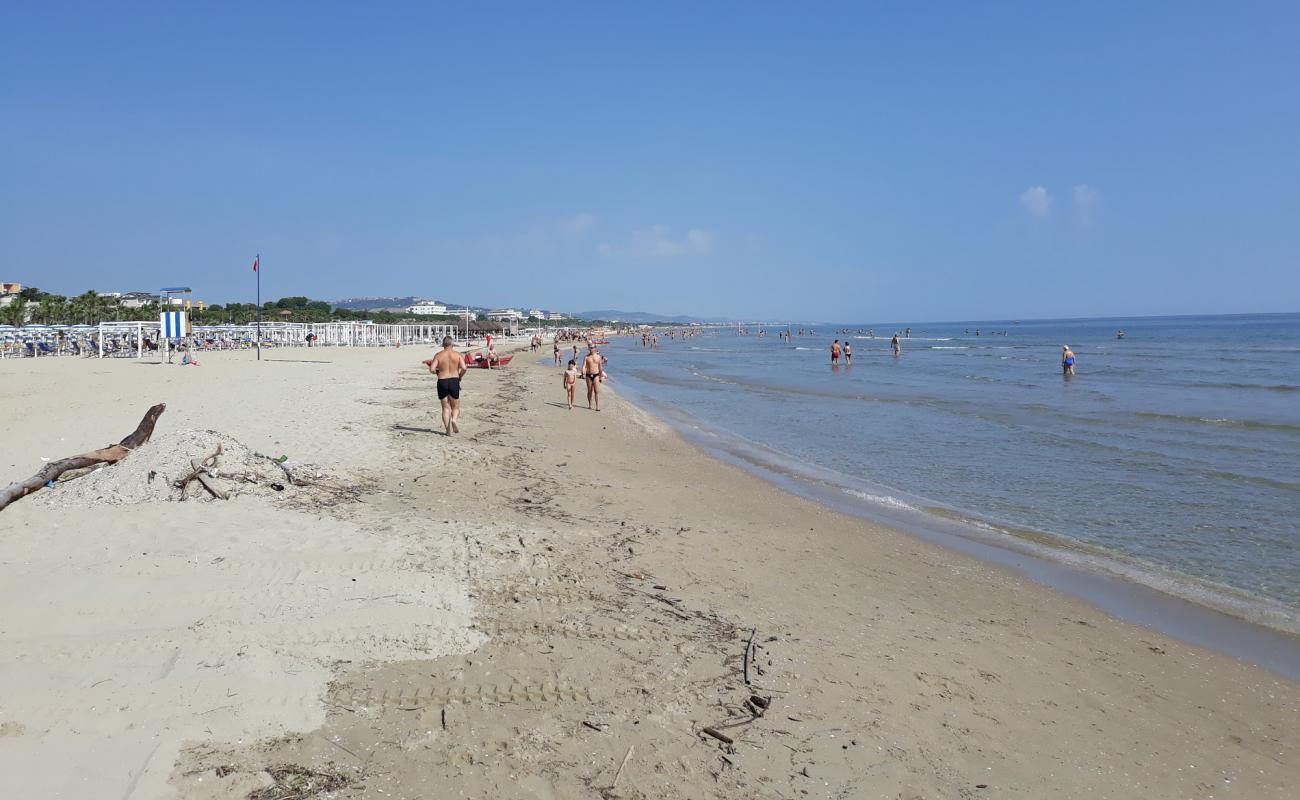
x=255, y=263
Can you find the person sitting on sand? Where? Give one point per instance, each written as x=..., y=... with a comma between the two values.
x=492, y=357
x=571, y=381
x=449, y=366
x=593, y=370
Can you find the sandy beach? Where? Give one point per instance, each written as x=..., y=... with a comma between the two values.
x=553, y=604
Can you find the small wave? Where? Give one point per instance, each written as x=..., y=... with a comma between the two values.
x=1262, y=387
x=948, y=347
x=713, y=378
x=881, y=499
x=1249, y=424
x=803, y=348
x=1258, y=480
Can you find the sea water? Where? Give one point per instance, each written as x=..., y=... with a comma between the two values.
x=1171, y=456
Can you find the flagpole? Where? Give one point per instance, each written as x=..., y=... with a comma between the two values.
x=258, y=262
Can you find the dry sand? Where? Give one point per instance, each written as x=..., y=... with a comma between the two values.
x=552, y=605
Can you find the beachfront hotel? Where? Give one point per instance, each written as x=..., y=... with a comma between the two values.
x=427, y=308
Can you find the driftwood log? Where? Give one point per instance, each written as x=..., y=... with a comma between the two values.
x=200, y=474
x=107, y=455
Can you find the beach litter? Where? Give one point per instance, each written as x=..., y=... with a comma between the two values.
x=293, y=782
x=196, y=465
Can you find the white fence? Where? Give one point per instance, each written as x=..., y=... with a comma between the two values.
x=135, y=339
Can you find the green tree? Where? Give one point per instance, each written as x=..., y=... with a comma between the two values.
x=15, y=313
x=88, y=307
x=51, y=310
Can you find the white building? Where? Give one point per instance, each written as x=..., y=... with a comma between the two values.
x=427, y=308
x=556, y=315
x=137, y=299
x=537, y=313
x=465, y=315
x=504, y=315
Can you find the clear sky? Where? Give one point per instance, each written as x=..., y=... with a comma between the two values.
x=765, y=160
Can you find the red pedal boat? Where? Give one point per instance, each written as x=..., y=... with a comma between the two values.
x=479, y=361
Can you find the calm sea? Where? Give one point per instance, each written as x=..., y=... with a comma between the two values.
x=1171, y=457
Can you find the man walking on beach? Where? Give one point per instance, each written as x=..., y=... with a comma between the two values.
x=449, y=366
x=593, y=369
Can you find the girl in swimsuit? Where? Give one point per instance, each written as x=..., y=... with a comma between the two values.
x=571, y=381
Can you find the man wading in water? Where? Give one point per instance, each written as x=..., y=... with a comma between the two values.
x=449, y=366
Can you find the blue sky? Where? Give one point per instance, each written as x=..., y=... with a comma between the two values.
x=838, y=162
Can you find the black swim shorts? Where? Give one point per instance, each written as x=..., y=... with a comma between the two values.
x=449, y=387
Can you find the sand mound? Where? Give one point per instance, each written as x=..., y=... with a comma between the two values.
x=150, y=474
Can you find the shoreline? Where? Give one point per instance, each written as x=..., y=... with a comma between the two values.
x=623, y=590
x=1098, y=579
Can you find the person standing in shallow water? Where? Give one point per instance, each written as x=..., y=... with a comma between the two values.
x=1067, y=360
x=835, y=353
x=449, y=367
x=898, y=349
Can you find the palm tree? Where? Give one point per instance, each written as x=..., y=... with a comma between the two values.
x=15, y=313
x=90, y=307
x=95, y=306
x=51, y=310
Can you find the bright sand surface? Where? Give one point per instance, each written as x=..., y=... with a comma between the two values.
x=553, y=604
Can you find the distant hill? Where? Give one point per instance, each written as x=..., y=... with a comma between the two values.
x=643, y=316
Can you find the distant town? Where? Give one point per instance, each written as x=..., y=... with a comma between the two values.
x=432, y=308
x=23, y=305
